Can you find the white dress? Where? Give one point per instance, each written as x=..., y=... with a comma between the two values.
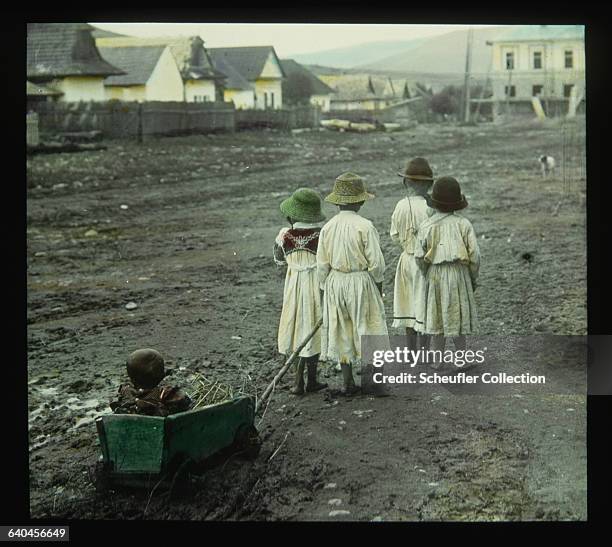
x=408, y=303
x=350, y=263
x=447, y=251
x=301, y=298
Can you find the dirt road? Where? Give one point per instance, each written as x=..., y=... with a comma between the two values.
x=183, y=227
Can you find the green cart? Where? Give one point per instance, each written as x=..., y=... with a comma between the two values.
x=136, y=449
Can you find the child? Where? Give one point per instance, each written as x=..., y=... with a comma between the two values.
x=296, y=247
x=351, y=266
x=409, y=213
x=144, y=395
x=447, y=253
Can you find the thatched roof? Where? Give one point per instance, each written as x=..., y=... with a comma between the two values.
x=249, y=62
x=318, y=87
x=361, y=87
x=191, y=56
x=137, y=62
x=64, y=49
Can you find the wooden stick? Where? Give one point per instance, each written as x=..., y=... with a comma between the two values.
x=286, y=366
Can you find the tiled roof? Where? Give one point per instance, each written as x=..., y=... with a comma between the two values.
x=318, y=87
x=64, y=49
x=137, y=62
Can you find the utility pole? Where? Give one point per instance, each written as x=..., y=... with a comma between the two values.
x=466, y=83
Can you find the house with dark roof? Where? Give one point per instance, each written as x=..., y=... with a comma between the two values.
x=201, y=80
x=151, y=74
x=255, y=76
x=362, y=91
x=63, y=57
x=301, y=84
x=543, y=61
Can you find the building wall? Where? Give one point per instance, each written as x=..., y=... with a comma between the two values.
x=368, y=104
x=552, y=75
x=324, y=101
x=80, y=88
x=242, y=98
x=165, y=83
x=272, y=89
x=195, y=90
x=127, y=93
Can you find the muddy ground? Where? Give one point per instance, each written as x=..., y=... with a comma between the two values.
x=193, y=250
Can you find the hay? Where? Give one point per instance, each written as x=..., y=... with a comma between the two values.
x=206, y=392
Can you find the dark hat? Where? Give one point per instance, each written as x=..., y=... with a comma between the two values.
x=145, y=367
x=418, y=169
x=446, y=195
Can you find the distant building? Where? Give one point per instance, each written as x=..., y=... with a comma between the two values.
x=545, y=61
x=201, y=81
x=63, y=58
x=300, y=82
x=151, y=74
x=365, y=92
x=254, y=76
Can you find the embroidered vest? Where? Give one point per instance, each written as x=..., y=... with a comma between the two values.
x=301, y=239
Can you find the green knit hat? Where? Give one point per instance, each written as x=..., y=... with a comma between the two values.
x=348, y=188
x=303, y=206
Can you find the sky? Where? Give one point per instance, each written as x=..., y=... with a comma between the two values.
x=287, y=39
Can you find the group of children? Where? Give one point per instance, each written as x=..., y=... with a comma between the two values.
x=335, y=272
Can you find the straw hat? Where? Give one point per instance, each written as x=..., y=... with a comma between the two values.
x=303, y=206
x=348, y=188
x=418, y=169
x=446, y=196
x=145, y=367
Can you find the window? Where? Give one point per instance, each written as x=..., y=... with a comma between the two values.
x=265, y=99
x=272, y=99
x=569, y=59
x=536, y=90
x=509, y=60
x=567, y=90
x=537, y=59
x=510, y=91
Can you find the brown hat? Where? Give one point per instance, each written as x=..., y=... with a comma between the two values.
x=446, y=195
x=418, y=169
x=145, y=367
x=348, y=188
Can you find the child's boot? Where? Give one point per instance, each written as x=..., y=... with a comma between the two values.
x=311, y=381
x=349, y=383
x=298, y=387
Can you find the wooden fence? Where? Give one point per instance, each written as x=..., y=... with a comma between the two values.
x=32, y=138
x=405, y=113
x=118, y=119
x=295, y=117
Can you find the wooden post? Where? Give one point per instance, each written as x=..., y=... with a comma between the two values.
x=139, y=133
x=466, y=83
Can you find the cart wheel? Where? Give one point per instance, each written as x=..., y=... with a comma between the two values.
x=247, y=441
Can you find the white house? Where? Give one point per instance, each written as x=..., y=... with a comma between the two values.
x=63, y=57
x=151, y=74
x=201, y=81
x=255, y=76
x=545, y=61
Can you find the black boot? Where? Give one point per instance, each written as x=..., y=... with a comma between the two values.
x=349, y=383
x=298, y=388
x=311, y=380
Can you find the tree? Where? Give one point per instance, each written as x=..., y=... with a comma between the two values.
x=446, y=101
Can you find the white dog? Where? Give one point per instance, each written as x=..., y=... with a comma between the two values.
x=547, y=165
